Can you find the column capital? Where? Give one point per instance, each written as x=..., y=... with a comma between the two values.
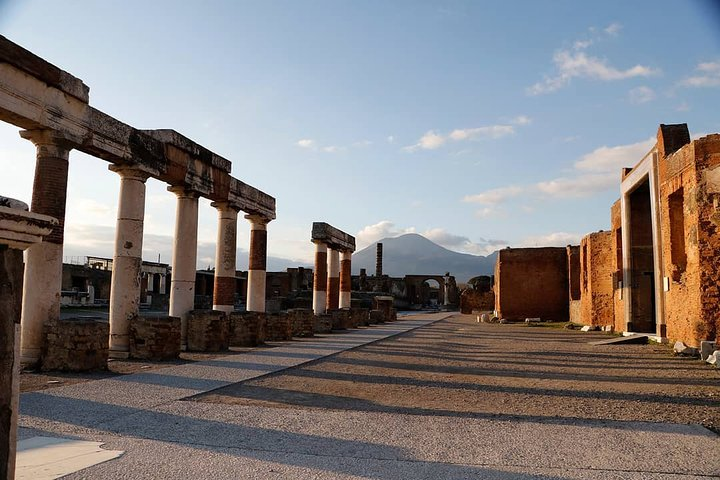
x=131, y=172
x=258, y=220
x=45, y=137
x=183, y=192
x=225, y=206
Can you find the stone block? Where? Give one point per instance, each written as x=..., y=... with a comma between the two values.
x=323, y=323
x=247, y=329
x=714, y=358
x=360, y=317
x=75, y=345
x=681, y=349
x=341, y=319
x=706, y=349
x=385, y=304
x=377, y=316
x=533, y=320
x=208, y=331
x=303, y=322
x=278, y=327
x=155, y=337
x=590, y=328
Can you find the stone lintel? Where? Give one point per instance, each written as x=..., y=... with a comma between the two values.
x=19, y=228
x=31, y=64
x=251, y=200
x=195, y=150
x=334, y=238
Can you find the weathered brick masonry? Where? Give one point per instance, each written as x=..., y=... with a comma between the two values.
x=75, y=345
x=155, y=337
x=208, y=331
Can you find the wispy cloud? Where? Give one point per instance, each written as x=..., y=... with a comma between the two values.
x=306, y=143
x=378, y=231
x=641, y=95
x=555, y=239
x=462, y=243
x=576, y=63
x=707, y=74
x=494, y=196
x=313, y=145
x=432, y=140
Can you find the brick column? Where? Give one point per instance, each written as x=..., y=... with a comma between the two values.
x=345, y=278
x=225, y=253
x=333, y=281
x=257, y=263
x=320, y=279
x=18, y=230
x=43, y=267
x=127, y=259
x=184, y=258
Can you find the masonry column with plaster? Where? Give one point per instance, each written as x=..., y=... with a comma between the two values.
x=127, y=259
x=184, y=258
x=257, y=263
x=320, y=279
x=345, y=278
x=225, y=258
x=43, y=264
x=18, y=230
x=333, y=281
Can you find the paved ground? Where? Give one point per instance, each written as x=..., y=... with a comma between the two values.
x=455, y=399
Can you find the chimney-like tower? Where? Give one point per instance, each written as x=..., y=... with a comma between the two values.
x=378, y=261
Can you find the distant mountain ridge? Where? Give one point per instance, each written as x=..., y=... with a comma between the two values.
x=413, y=254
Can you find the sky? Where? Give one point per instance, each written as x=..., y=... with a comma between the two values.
x=478, y=124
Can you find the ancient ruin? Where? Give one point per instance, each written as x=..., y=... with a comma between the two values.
x=333, y=263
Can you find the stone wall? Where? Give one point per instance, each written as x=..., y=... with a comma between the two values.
x=575, y=311
x=596, y=279
x=341, y=319
x=208, y=331
x=471, y=299
x=377, y=316
x=385, y=304
x=247, y=329
x=532, y=282
x=75, y=345
x=155, y=337
x=573, y=260
x=360, y=317
x=278, y=327
x=303, y=322
x=618, y=283
x=323, y=323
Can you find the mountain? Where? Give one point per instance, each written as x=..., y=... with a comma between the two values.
x=413, y=254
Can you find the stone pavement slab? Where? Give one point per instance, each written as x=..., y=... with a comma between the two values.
x=46, y=458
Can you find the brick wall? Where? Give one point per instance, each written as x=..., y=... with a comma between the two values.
x=278, y=327
x=247, y=329
x=341, y=319
x=303, y=322
x=208, y=331
x=323, y=323
x=75, y=345
x=532, y=282
x=618, y=282
x=360, y=316
x=471, y=299
x=596, y=279
x=155, y=337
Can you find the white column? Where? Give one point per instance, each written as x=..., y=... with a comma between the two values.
x=320, y=279
x=225, y=258
x=43, y=261
x=333, y=281
x=257, y=263
x=127, y=260
x=184, y=258
x=345, y=278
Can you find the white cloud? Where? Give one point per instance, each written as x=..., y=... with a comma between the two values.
x=613, y=29
x=333, y=149
x=463, y=244
x=494, y=196
x=641, y=94
x=306, y=143
x=579, y=186
x=612, y=159
x=708, y=75
x=390, y=139
x=555, y=239
x=433, y=140
x=378, y=231
x=361, y=144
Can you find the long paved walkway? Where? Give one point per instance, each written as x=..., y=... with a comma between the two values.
x=163, y=436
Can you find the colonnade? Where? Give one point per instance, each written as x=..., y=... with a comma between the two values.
x=333, y=262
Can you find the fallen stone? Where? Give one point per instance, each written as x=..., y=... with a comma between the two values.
x=590, y=328
x=608, y=328
x=630, y=339
x=485, y=318
x=569, y=326
x=681, y=349
x=706, y=349
x=503, y=321
x=533, y=320
x=714, y=358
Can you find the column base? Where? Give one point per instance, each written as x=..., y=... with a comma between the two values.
x=29, y=359
x=118, y=354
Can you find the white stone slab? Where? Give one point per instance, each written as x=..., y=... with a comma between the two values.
x=46, y=458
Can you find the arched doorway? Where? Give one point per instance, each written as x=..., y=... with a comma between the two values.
x=431, y=292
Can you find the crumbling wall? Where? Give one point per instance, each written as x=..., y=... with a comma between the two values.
x=155, y=337
x=471, y=299
x=303, y=322
x=532, y=282
x=247, y=329
x=208, y=331
x=75, y=345
x=596, y=275
x=617, y=262
x=278, y=327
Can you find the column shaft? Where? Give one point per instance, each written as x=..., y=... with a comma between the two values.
x=333, y=281
x=43, y=264
x=257, y=264
x=345, y=278
x=127, y=259
x=184, y=258
x=225, y=258
x=320, y=279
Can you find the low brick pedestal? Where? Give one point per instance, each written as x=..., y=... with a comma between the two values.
x=360, y=317
x=385, y=303
x=303, y=322
x=323, y=323
x=247, y=329
x=75, y=345
x=278, y=327
x=341, y=319
x=155, y=337
x=208, y=331
x=377, y=316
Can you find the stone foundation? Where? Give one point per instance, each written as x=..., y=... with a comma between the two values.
x=303, y=322
x=341, y=319
x=385, y=304
x=360, y=317
x=155, y=337
x=377, y=316
x=208, y=331
x=247, y=329
x=278, y=327
x=75, y=345
x=471, y=299
x=323, y=323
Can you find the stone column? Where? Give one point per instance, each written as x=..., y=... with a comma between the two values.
x=18, y=230
x=225, y=253
x=320, y=279
x=127, y=259
x=184, y=258
x=333, y=281
x=345, y=278
x=257, y=263
x=43, y=265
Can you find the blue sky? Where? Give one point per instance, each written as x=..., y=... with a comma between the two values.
x=478, y=124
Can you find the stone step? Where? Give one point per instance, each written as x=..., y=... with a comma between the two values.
x=630, y=339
